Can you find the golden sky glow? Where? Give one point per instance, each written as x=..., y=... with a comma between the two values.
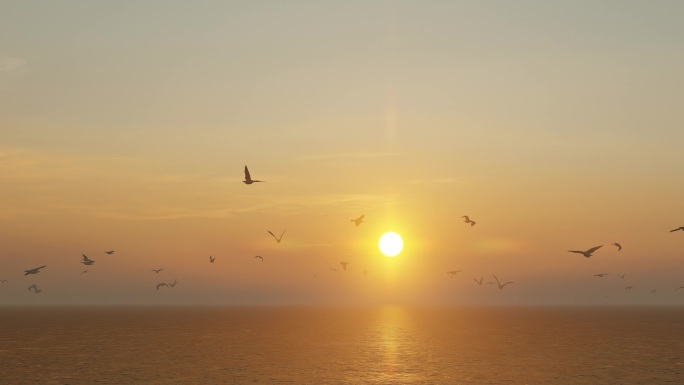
x=554, y=125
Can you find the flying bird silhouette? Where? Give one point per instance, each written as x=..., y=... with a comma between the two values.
x=358, y=220
x=653, y=291
x=344, y=265
x=175, y=282
x=478, y=282
x=248, y=178
x=586, y=253
x=600, y=275
x=314, y=275
x=211, y=259
x=628, y=288
x=468, y=220
x=3, y=280
x=260, y=257
x=681, y=287
x=276, y=238
x=110, y=252
x=677, y=229
x=619, y=246
x=86, y=260
x=157, y=270
x=453, y=272
x=34, y=288
x=33, y=271
x=622, y=275
x=161, y=284
x=499, y=283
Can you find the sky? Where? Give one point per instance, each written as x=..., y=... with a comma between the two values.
x=554, y=125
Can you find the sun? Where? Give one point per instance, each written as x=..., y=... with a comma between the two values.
x=390, y=244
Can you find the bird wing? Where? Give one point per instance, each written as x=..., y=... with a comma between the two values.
x=497, y=280
x=247, y=177
x=273, y=235
x=281, y=235
x=594, y=249
x=506, y=284
x=576, y=251
x=161, y=284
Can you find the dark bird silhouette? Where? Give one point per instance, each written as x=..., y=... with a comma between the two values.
x=478, y=282
x=677, y=229
x=211, y=259
x=161, y=284
x=314, y=275
x=260, y=257
x=175, y=282
x=248, y=178
x=619, y=246
x=453, y=272
x=468, y=220
x=622, y=275
x=3, y=280
x=499, y=283
x=358, y=220
x=86, y=260
x=33, y=271
x=586, y=253
x=344, y=265
x=600, y=275
x=34, y=288
x=110, y=252
x=276, y=238
x=157, y=270
x=628, y=288
x=653, y=291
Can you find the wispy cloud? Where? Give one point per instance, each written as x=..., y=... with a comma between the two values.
x=366, y=155
x=8, y=63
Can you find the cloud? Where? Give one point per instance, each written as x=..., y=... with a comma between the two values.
x=11, y=63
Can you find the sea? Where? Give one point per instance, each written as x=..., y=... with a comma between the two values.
x=341, y=345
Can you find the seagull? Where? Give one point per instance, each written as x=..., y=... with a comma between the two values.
x=586, y=253
x=33, y=271
x=678, y=228
x=175, y=282
x=85, y=271
x=619, y=246
x=248, y=179
x=276, y=238
x=260, y=257
x=628, y=288
x=358, y=220
x=601, y=275
x=314, y=275
x=467, y=220
x=453, y=272
x=110, y=252
x=622, y=275
x=3, y=280
x=157, y=270
x=211, y=259
x=35, y=288
x=681, y=287
x=86, y=260
x=499, y=283
x=344, y=265
x=478, y=282
x=162, y=284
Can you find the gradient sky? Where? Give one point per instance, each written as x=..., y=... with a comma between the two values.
x=554, y=125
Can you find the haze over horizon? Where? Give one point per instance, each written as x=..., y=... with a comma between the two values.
x=555, y=126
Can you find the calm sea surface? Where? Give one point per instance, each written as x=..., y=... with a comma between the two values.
x=300, y=345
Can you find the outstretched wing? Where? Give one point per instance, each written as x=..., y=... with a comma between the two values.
x=594, y=249
x=497, y=280
x=281, y=235
x=273, y=235
x=576, y=251
x=504, y=285
x=247, y=177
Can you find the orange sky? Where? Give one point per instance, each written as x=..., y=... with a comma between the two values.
x=554, y=126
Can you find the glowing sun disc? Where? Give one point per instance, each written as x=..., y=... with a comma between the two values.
x=390, y=244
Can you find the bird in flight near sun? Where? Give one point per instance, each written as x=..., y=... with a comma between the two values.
x=86, y=260
x=499, y=283
x=478, y=282
x=358, y=220
x=248, y=178
x=677, y=229
x=157, y=270
x=35, y=288
x=162, y=284
x=33, y=271
x=622, y=275
x=211, y=259
x=453, y=272
x=468, y=220
x=587, y=253
x=110, y=252
x=260, y=257
x=600, y=275
x=344, y=265
x=276, y=238
x=619, y=246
